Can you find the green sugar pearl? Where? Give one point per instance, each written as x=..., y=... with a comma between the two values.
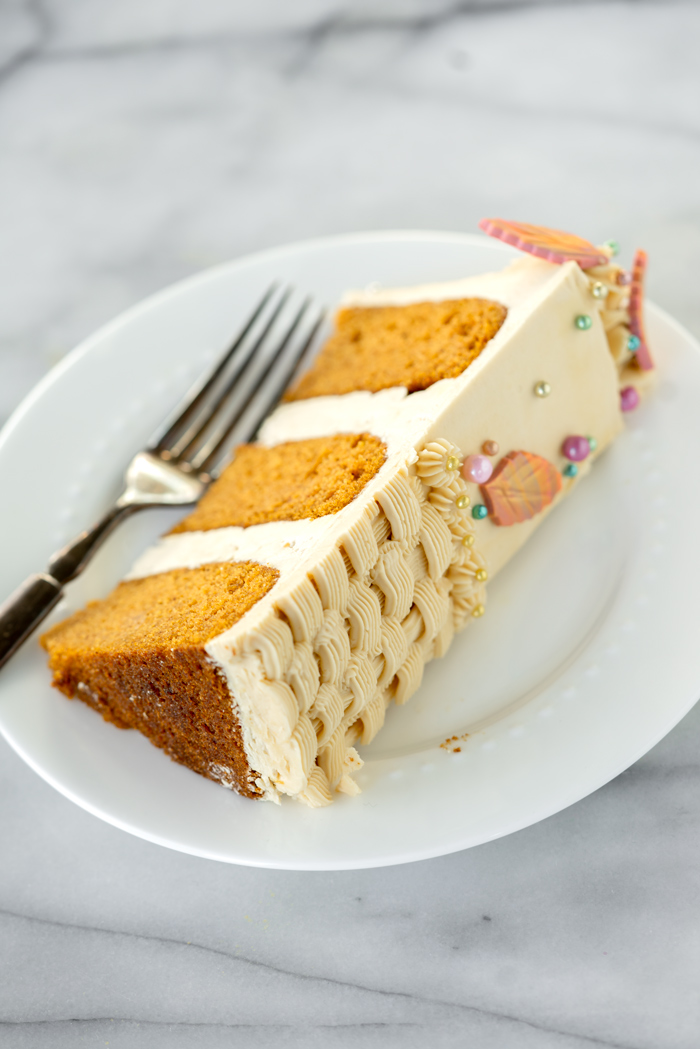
x=613, y=246
x=633, y=343
x=583, y=322
x=570, y=470
x=592, y=443
x=479, y=512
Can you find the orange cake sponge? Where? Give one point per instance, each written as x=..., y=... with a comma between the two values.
x=290, y=482
x=413, y=346
x=138, y=658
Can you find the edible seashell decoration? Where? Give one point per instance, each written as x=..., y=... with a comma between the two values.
x=636, y=307
x=554, y=245
x=521, y=486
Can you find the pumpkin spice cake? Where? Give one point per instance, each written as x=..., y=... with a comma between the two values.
x=264, y=637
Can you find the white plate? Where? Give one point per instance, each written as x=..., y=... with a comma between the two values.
x=585, y=659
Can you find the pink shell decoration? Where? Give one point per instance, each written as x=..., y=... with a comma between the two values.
x=551, y=244
x=521, y=487
x=642, y=354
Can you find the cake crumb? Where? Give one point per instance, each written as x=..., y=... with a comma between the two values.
x=451, y=743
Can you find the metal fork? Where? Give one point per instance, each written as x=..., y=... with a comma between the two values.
x=228, y=403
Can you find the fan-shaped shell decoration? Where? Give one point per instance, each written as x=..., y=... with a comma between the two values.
x=636, y=308
x=551, y=244
x=521, y=486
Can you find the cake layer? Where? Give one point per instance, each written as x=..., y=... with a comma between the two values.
x=411, y=346
x=290, y=482
x=181, y=607
x=139, y=658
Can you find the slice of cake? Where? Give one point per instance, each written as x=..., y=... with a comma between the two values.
x=264, y=637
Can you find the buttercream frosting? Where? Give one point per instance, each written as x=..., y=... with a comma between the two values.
x=368, y=595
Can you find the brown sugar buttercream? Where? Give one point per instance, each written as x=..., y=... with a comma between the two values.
x=404, y=564
x=414, y=345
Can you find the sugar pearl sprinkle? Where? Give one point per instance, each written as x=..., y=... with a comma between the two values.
x=452, y=462
x=478, y=611
x=629, y=399
x=576, y=448
x=543, y=389
x=599, y=290
x=482, y=575
x=477, y=468
x=468, y=540
x=612, y=246
x=490, y=447
x=633, y=343
x=462, y=502
x=570, y=470
x=479, y=512
x=583, y=322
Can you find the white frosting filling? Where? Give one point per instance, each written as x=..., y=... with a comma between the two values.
x=307, y=685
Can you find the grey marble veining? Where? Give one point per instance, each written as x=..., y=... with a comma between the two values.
x=142, y=141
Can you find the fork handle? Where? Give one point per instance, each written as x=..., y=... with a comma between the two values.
x=69, y=562
x=30, y=604
x=21, y=614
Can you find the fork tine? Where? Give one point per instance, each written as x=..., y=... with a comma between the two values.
x=279, y=370
x=242, y=402
x=198, y=394
x=281, y=381
x=189, y=440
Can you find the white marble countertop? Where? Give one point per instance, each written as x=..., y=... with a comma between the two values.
x=144, y=140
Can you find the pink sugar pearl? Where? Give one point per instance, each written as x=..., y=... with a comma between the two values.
x=629, y=399
x=576, y=448
x=477, y=468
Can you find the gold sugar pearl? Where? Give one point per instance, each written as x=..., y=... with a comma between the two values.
x=482, y=575
x=462, y=502
x=452, y=463
x=543, y=389
x=490, y=447
x=468, y=540
x=478, y=611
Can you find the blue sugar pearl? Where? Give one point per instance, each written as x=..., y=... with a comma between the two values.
x=479, y=512
x=570, y=470
x=633, y=343
x=583, y=322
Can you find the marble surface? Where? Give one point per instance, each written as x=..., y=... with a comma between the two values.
x=144, y=140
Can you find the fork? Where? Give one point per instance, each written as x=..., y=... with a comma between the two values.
x=229, y=403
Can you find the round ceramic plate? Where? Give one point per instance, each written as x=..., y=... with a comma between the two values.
x=586, y=658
